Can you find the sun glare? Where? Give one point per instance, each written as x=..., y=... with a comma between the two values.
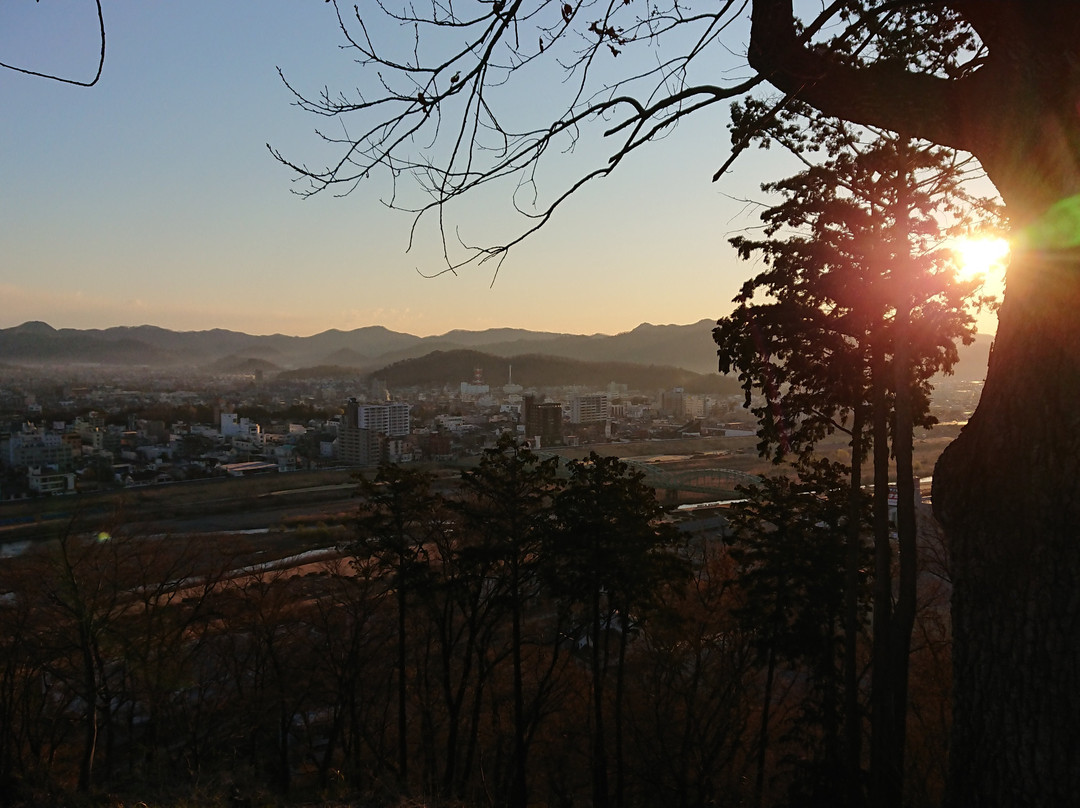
x=977, y=257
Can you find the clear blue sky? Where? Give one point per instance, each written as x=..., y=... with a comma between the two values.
x=151, y=197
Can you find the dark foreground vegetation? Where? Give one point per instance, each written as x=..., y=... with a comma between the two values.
x=533, y=639
x=996, y=80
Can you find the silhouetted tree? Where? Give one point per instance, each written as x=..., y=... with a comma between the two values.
x=87, y=607
x=357, y=683
x=67, y=79
x=789, y=543
x=608, y=557
x=398, y=514
x=861, y=281
x=995, y=79
x=504, y=506
x=465, y=608
x=32, y=708
x=690, y=693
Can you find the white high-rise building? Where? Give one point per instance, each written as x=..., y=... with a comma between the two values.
x=594, y=407
x=387, y=419
x=365, y=427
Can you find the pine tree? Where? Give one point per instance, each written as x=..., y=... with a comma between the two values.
x=856, y=311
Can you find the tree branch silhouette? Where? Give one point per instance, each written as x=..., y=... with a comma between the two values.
x=62, y=79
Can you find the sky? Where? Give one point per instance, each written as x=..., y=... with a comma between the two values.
x=151, y=198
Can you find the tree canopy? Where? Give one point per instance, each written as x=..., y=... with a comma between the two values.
x=998, y=80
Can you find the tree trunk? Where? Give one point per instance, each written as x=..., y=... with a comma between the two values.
x=1008, y=492
x=284, y=773
x=1008, y=489
x=519, y=789
x=882, y=786
x=904, y=610
x=90, y=734
x=763, y=735
x=620, y=692
x=402, y=683
x=830, y=719
x=598, y=663
x=852, y=710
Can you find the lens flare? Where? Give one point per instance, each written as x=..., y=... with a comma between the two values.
x=979, y=257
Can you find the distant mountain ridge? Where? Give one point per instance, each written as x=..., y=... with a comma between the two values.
x=367, y=349
x=372, y=348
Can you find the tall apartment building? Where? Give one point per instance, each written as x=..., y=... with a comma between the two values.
x=586, y=409
x=673, y=403
x=543, y=422
x=365, y=428
x=388, y=419
x=696, y=406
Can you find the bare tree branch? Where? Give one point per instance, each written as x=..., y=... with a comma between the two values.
x=63, y=80
x=438, y=105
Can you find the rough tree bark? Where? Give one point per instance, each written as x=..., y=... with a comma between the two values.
x=1008, y=492
x=1008, y=489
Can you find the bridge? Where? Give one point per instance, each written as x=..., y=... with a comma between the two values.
x=708, y=480
x=687, y=474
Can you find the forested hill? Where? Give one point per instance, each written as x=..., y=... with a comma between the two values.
x=537, y=370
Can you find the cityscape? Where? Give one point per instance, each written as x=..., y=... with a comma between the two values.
x=73, y=428
x=539, y=404
x=256, y=508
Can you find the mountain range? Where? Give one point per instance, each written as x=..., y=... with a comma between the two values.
x=371, y=349
x=366, y=349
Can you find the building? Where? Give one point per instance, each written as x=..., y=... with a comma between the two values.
x=470, y=391
x=387, y=419
x=451, y=423
x=50, y=482
x=31, y=447
x=91, y=431
x=438, y=446
x=586, y=409
x=378, y=391
x=365, y=428
x=696, y=406
x=673, y=403
x=543, y=422
x=232, y=426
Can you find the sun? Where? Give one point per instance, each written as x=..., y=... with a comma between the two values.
x=979, y=257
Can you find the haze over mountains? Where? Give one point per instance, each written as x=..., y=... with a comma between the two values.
x=685, y=346
x=370, y=349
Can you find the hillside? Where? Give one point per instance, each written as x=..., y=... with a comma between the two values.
x=538, y=370
x=368, y=350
